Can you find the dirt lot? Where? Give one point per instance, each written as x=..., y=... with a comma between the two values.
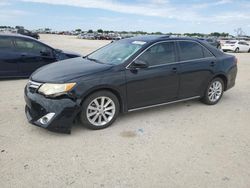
x=181, y=145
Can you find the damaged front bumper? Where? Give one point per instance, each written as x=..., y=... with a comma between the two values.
x=53, y=114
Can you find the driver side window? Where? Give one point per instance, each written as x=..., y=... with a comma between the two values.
x=159, y=54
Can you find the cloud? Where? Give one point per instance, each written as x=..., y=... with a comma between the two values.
x=12, y=15
x=150, y=9
x=211, y=4
x=4, y=3
x=190, y=12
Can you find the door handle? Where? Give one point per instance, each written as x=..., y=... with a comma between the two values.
x=23, y=54
x=212, y=64
x=174, y=70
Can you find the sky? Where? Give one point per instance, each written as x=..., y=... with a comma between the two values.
x=178, y=16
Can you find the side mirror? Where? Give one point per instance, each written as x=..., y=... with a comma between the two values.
x=57, y=51
x=45, y=53
x=139, y=64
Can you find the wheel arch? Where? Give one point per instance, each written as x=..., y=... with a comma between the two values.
x=223, y=77
x=113, y=90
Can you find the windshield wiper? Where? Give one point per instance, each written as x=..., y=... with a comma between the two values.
x=95, y=60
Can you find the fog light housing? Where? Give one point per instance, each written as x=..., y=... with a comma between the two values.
x=46, y=119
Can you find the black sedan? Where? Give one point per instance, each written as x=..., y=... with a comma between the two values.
x=20, y=55
x=127, y=75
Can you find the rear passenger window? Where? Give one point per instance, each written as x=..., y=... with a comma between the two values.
x=159, y=54
x=5, y=43
x=207, y=53
x=190, y=50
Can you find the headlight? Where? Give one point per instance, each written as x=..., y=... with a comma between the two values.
x=55, y=89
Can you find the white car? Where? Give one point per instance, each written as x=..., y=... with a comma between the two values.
x=236, y=46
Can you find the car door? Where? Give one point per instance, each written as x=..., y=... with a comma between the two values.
x=242, y=46
x=156, y=83
x=197, y=65
x=246, y=46
x=33, y=55
x=8, y=58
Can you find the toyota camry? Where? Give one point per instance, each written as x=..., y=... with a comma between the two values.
x=124, y=76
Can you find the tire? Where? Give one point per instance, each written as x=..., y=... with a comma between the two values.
x=237, y=50
x=99, y=110
x=249, y=50
x=212, y=95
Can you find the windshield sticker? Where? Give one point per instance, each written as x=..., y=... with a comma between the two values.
x=139, y=42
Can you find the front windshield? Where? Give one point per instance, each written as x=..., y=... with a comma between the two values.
x=117, y=52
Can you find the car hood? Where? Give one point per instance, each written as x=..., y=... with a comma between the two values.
x=66, y=70
x=70, y=53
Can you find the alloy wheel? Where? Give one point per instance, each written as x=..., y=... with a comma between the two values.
x=101, y=111
x=215, y=91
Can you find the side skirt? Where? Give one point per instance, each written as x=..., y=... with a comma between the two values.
x=155, y=105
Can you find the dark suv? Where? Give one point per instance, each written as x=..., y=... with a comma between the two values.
x=127, y=75
x=21, y=55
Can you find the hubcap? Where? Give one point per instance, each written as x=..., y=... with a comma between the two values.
x=101, y=111
x=215, y=91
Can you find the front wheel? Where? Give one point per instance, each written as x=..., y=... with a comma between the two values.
x=214, y=92
x=99, y=110
x=237, y=50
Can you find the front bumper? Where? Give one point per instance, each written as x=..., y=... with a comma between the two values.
x=64, y=109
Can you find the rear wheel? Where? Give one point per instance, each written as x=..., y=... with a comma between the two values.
x=237, y=50
x=99, y=110
x=214, y=92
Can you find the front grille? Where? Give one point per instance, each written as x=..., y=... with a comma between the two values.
x=33, y=86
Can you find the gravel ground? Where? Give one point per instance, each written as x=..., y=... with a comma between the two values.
x=184, y=145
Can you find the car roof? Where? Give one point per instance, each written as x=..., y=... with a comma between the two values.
x=15, y=35
x=156, y=38
x=148, y=38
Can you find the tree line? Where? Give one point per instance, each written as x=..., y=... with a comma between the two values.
x=215, y=34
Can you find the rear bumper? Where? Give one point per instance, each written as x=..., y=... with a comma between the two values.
x=37, y=106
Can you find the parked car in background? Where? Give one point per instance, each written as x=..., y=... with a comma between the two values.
x=212, y=41
x=21, y=55
x=236, y=46
x=223, y=40
x=244, y=38
x=124, y=76
x=28, y=33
